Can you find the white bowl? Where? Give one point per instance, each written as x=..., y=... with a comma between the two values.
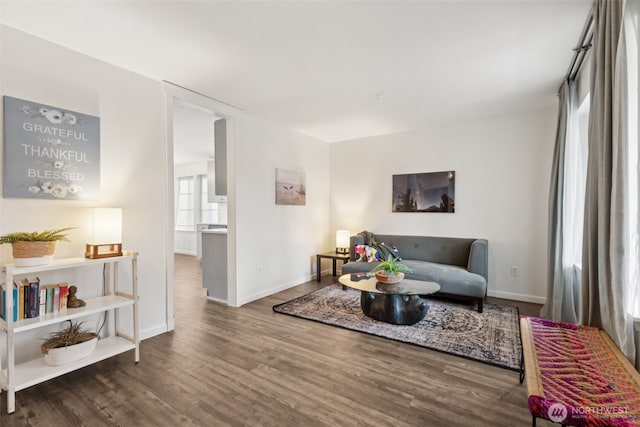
x=63, y=355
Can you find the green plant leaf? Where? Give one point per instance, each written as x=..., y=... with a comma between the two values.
x=391, y=266
x=35, y=236
x=73, y=334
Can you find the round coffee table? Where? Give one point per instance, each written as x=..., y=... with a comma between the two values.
x=399, y=303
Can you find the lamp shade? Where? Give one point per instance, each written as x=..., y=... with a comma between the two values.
x=107, y=226
x=342, y=239
x=105, y=238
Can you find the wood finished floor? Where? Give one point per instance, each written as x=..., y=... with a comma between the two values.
x=250, y=366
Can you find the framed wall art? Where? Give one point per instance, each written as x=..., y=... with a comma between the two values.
x=290, y=187
x=424, y=192
x=50, y=152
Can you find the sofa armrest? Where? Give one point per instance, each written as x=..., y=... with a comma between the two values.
x=353, y=241
x=479, y=258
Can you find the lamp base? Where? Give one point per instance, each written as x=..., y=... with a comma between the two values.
x=342, y=250
x=103, y=251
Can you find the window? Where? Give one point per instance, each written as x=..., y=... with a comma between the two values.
x=185, y=219
x=208, y=211
x=575, y=177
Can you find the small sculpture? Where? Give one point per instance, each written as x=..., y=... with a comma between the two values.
x=72, y=300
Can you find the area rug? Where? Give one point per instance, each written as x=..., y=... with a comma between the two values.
x=491, y=337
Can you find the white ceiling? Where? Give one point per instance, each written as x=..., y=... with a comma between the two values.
x=333, y=70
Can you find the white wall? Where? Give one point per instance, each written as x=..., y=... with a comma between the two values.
x=502, y=170
x=270, y=247
x=133, y=156
x=276, y=244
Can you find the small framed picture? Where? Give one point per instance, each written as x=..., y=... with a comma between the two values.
x=290, y=187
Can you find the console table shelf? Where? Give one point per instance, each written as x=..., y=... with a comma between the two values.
x=62, y=263
x=95, y=305
x=36, y=371
x=18, y=376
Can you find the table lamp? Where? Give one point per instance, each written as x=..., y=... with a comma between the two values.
x=106, y=238
x=342, y=241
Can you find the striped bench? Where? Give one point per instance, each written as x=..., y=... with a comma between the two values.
x=577, y=376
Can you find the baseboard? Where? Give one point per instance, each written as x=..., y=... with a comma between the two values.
x=223, y=301
x=274, y=290
x=152, y=332
x=517, y=297
x=177, y=251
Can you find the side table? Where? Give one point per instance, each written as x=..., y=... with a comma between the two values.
x=330, y=255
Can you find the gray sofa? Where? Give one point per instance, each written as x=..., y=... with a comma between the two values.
x=458, y=265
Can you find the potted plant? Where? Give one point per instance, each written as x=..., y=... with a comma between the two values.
x=70, y=344
x=34, y=248
x=390, y=271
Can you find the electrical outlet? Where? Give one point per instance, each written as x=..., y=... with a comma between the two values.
x=514, y=271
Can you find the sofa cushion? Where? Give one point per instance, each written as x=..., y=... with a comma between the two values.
x=451, y=278
x=357, y=267
x=443, y=250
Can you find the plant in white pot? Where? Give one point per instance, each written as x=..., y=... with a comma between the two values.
x=390, y=271
x=34, y=248
x=70, y=344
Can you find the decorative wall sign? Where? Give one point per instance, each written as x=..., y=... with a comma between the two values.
x=50, y=153
x=290, y=187
x=424, y=192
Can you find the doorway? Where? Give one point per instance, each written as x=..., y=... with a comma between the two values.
x=191, y=128
x=197, y=206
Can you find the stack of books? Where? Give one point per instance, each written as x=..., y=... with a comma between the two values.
x=30, y=299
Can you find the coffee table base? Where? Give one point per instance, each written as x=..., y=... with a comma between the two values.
x=393, y=308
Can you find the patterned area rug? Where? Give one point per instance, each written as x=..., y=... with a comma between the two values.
x=491, y=337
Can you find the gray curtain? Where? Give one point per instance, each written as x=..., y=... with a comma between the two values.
x=604, y=261
x=562, y=283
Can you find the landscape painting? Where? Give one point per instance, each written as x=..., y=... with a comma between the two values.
x=424, y=192
x=290, y=187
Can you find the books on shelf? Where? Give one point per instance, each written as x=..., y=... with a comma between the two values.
x=20, y=301
x=43, y=301
x=56, y=299
x=30, y=299
x=64, y=293
x=32, y=305
x=3, y=303
x=49, y=303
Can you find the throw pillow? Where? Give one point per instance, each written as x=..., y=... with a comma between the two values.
x=365, y=253
x=395, y=252
x=384, y=250
x=372, y=254
x=361, y=254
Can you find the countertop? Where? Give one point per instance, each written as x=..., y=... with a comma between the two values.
x=215, y=231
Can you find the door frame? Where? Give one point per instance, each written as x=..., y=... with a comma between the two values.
x=222, y=110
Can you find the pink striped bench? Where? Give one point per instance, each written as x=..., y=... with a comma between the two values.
x=577, y=376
